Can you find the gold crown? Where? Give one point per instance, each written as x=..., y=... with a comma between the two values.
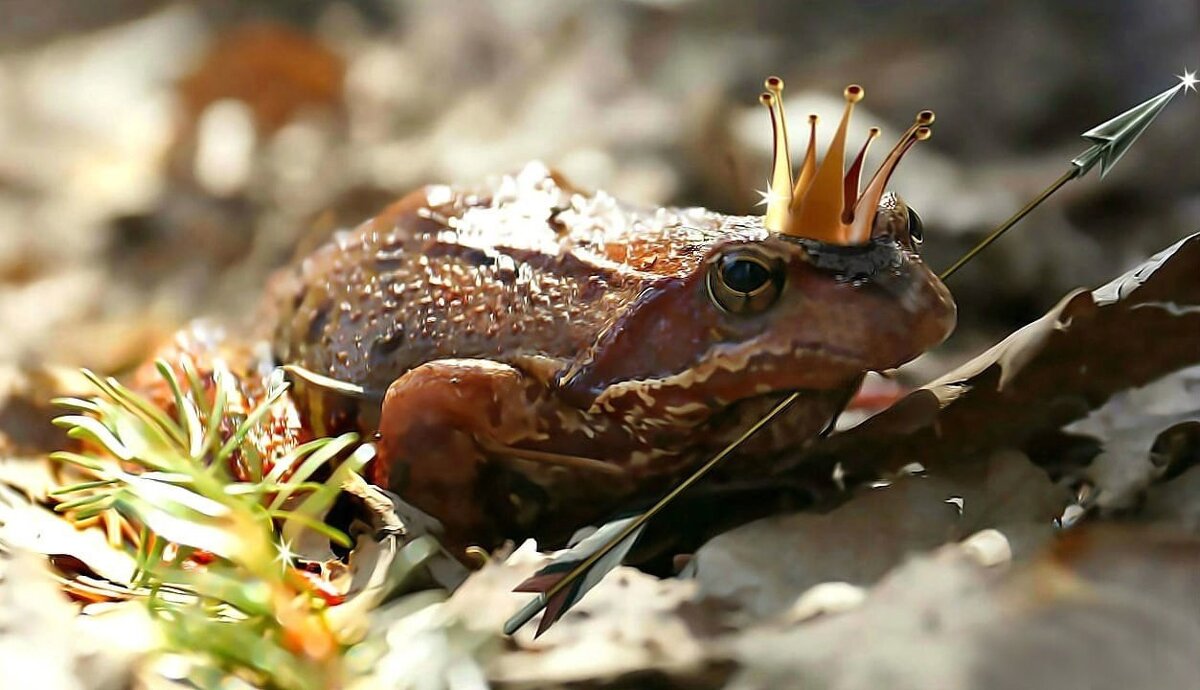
x=824, y=203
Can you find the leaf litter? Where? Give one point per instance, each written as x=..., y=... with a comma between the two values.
x=938, y=558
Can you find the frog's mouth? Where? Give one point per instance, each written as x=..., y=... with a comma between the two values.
x=734, y=372
x=802, y=366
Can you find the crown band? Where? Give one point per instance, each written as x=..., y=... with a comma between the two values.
x=824, y=203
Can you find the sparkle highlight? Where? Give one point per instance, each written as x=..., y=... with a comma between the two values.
x=770, y=196
x=1188, y=80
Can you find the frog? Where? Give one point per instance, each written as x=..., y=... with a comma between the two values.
x=529, y=355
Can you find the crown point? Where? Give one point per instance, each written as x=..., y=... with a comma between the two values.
x=780, y=187
x=850, y=186
x=822, y=202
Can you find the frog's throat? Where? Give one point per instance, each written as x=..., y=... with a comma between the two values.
x=824, y=202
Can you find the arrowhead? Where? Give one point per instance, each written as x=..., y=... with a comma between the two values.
x=1113, y=138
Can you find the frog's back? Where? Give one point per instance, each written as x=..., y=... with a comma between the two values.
x=525, y=270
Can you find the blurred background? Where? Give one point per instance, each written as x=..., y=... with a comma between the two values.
x=159, y=159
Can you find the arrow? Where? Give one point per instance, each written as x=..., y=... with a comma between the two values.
x=559, y=585
x=1110, y=141
x=552, y=586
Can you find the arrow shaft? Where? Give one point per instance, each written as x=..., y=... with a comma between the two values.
x=1012, y=220
x=779, y=409
x=632, y=527
x=1112, y=139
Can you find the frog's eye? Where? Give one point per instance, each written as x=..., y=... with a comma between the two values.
x=744, y=283
x=916, y=229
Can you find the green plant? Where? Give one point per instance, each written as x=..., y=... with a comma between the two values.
x=212, y=522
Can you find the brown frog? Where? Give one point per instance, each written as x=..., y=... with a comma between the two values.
x=542, y=353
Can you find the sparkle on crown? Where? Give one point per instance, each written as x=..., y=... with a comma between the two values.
x=824, y=203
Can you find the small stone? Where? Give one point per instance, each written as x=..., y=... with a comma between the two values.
x=824, y=599
x=988, y=548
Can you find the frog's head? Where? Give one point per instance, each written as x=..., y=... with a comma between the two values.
x=826, y=285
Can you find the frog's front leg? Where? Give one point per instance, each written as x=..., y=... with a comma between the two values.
x=442, y=421
x=431, y=426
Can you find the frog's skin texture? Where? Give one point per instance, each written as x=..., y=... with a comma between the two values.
x=527, y=316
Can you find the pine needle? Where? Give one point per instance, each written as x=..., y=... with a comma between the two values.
x=209, y=559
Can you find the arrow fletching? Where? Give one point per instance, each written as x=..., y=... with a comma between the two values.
x=545, y=581
x=581, y=561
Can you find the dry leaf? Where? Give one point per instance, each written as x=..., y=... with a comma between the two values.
x=27, y=526
x=765, y=565
x=36, y=621
x=1044, y=376
x=1127, y=427
x=1110, y=608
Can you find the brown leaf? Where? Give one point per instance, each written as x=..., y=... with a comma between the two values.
x=1090, y=346
x=1109, y=608
x=35, y=626
x=630, y=622
x=1127, y=428
x=36, y=529
x=25, y=409
x=765, y=565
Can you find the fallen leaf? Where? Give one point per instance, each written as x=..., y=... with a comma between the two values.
x=1041, y=378
x=1127, y=426
x=1175, y=502
x=1110, y=608
x=765, y=565
x=27, y=526
x=36, y=622
x=110, y=638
